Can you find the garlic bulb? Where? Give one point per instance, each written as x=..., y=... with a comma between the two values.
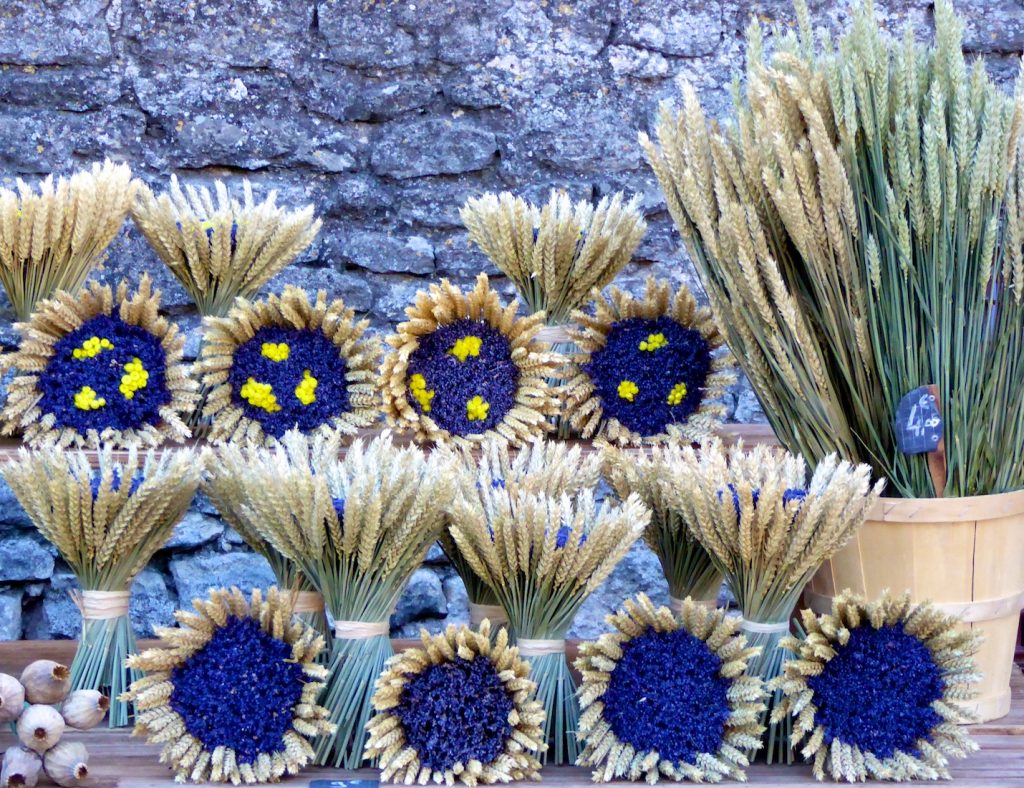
x=67, y=764
x=84, y=709
x=12, y=698
x=40, y=727
x=46, y=681
x=21, y=768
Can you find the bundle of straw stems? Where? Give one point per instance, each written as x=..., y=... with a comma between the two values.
x=767, y=531
x=688, y=568
x=357, y=528
x=106, y=523
x=51, y=239
x=542, y=555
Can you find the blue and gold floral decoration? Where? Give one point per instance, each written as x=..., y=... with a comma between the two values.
x=99, y=367
x=649, y=369
x=287, y=363
x=463, y=368
x=232, y=692
x=874, y=689
x=667, y=696
x=458, y=709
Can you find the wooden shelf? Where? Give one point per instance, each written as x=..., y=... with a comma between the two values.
x=116, y=759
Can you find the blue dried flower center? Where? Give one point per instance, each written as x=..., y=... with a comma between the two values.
x=106, y=374
x=455, y=712
x=239, y=690
x=877, y=692
x=650, y=373
x=462, y=375
x=666, y=694
x=289, y=378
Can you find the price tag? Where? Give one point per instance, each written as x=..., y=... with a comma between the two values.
x=918, y=422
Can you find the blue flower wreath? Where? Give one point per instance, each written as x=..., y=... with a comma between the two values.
x=463, y=376
x=286, y=378
x=106, y=374
x=650, y=373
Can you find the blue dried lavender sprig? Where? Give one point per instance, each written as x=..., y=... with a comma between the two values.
x=666, y=694
x=306, y=350
x=492, y=375
x=454, y=712
x=65, y=375
x=115, y=482
x=686, y=358
x=877, y=691
x=239, y=690
x=790, y=494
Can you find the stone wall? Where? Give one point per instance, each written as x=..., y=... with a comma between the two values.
x=386, y=115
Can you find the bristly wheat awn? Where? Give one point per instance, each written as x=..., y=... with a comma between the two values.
x=345, y=342
x=220, y=247
x=52, y=238
x=37, y=383
x=106, y=523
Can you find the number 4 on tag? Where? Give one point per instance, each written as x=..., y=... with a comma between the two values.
x=919, y=430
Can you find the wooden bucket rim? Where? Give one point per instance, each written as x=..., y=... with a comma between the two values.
x=948, y=510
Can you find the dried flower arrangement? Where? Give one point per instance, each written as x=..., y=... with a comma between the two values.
x=548, y=467
x=357, y=528
x=874, y=689
x=542, y=555
x=224, y=249
x=457, y=709
x=465, y=369
x=51, y=240
x=232, y=692
x=667, y=695
x=649, y=369
x=767, y=529
x=99, y=367
x=287, y=362
x=29, y=705
x=688, y=568
x=877, y=249
x=106, y=523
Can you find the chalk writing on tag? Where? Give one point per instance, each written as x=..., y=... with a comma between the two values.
x=918, y=422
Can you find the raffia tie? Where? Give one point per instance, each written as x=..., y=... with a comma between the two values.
x=757, y=627
x=493, y=613
x=540, y=648
x=101, y=605
x=360, y=630
x=675, y=604
x=307, y=602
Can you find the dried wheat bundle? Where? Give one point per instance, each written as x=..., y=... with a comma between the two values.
x=767, y=529
x=874, y=689
x=687, y=566
x=548, y=467
x=464, y=369
x=857, y=240
x=231, y=693
x=458, y=709
x=667, y=695
x=106, y=523
x=288, y=362
x=99, y=367
x=357, y=528
x=225, y=248
x=556, y=254
x=542, y=555
x=649, y=369
x=51, y=239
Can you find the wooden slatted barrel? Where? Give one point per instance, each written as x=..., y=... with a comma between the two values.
x=964, y=554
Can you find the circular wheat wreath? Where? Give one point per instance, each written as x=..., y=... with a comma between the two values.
x=232, y=691
x=459, y=708
x=668, y=696
x=286, y=362
x=99, y=366
x=649, y=369
x=875, y=687
x=464, y=369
